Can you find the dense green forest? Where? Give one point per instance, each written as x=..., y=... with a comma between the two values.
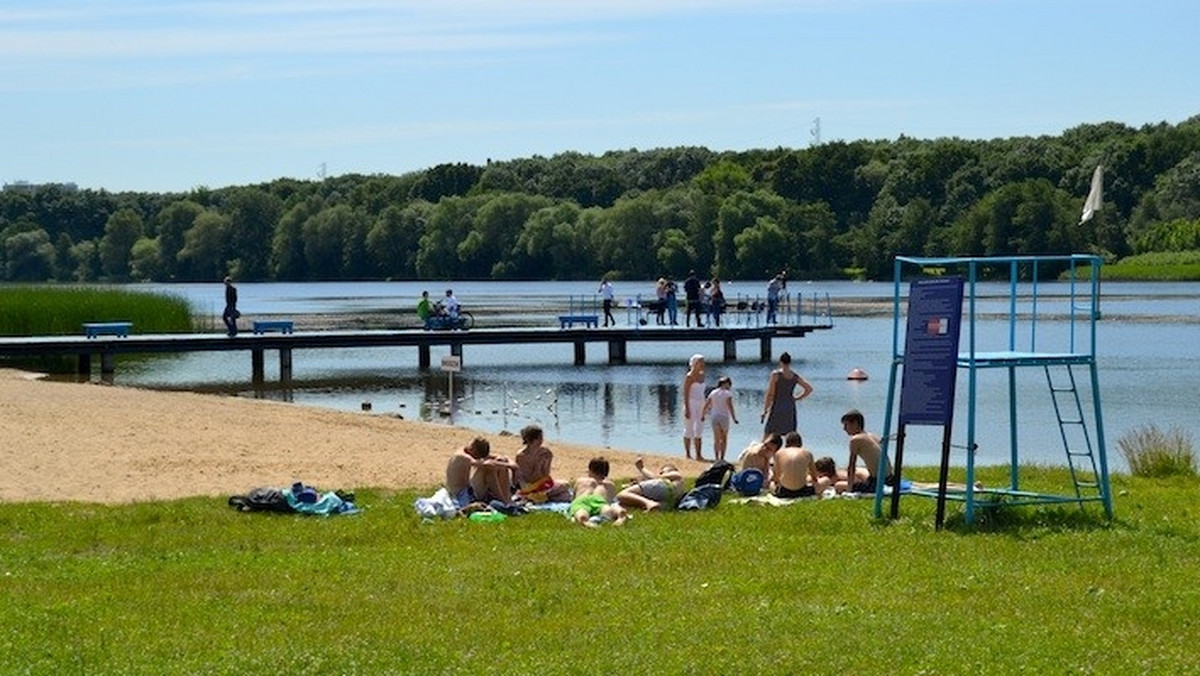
x=833, y=210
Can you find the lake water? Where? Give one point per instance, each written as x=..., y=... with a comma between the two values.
x=1146, y=345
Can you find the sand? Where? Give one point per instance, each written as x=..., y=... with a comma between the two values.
x=108, y=444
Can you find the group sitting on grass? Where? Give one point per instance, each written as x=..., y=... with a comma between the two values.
x=476, y=479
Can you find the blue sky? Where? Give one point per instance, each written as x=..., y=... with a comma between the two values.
x=162, y=95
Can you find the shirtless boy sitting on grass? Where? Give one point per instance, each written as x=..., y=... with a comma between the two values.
x=795, y=474
x=653, y=492
x=594, y=495
x=758, y=456
x=473, y=475
x=863, y=445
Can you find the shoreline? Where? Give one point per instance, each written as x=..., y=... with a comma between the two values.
x=109, y=444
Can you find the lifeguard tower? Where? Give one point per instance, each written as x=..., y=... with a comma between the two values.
x=1027, y=328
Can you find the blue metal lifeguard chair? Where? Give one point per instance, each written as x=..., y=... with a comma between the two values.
x=1060, y=351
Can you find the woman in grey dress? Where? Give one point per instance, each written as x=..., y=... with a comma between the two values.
x=779, y=406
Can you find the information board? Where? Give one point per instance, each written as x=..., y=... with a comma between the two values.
x=931, y=351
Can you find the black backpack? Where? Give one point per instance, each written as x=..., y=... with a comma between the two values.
x=717, y=474
x=261, y=500
x=705, y=496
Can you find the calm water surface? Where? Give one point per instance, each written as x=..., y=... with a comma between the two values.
x=1147, y=347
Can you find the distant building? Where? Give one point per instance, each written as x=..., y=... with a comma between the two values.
x=31, y=188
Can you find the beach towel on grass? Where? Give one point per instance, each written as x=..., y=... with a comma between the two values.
x=437, y=506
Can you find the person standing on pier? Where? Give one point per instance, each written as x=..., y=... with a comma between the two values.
x=606, y=294
x=691, y=290
x=779, y=406
x=775, y=287
x=672, y=303
x=231, y=314
x=716, y=302
x=660, y=293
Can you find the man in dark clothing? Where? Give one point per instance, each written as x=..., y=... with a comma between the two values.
x=231, y=313
x=691, y=289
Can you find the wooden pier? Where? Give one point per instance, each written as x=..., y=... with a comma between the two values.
x=105, y=348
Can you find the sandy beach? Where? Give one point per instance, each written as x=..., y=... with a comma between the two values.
x=105, y=444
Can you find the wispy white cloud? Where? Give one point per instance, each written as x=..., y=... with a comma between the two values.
x=143, y=29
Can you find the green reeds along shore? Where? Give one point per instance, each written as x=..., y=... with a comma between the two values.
x=192, y=586
x=62, y=310
x=56, y=310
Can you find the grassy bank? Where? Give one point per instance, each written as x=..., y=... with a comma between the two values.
x=1183, y=266
x=193, y=587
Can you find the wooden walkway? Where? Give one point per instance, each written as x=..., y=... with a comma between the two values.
x=617, y=340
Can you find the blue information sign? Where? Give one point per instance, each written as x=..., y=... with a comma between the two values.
x=931, y=351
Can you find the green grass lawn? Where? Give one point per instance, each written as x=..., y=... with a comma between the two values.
x=192, y=586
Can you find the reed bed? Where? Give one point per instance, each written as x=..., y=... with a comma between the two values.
x=61, y=310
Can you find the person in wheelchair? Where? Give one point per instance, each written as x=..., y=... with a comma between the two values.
x=449, y=307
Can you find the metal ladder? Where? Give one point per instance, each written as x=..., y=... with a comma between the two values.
x=1074, y=433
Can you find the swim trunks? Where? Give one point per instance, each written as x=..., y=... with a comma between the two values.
x=658, y=490
x=802, y=492
x=591, y=503
x=869, y=485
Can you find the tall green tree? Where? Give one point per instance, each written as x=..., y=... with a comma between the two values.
x=204, y=256
x=145, y=259
x=287, y=243
x=29, y=256
x=335, y=243
x=555, y=243
x=253, y=215
x=395, y=236
x=171, y=223
x=120, y=232
x=488, y=249
x=738, y=212
x=450, y=223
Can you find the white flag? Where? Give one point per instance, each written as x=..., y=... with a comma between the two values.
x=1095, y=196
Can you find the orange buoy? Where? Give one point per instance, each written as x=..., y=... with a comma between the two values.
x=856, y=374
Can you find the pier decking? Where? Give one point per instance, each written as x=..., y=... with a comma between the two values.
x=617, y=340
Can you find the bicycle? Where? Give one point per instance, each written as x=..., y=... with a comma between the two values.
x=465, y=321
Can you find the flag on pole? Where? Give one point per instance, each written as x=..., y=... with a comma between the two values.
x=1095, y=196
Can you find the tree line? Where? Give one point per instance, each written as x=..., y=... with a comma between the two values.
x=834, y=210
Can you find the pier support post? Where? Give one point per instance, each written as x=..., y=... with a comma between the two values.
x=423, y=357
x=764, y=349
x=285, y=365
x=256, y=366
x=580, y=353
x=731, y=350
x=456, y=349
x=108, y=364
x=85, y=364
x=616, y=351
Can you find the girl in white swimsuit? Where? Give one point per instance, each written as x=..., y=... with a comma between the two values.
x=719, y=408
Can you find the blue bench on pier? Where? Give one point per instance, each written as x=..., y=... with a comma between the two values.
x=265, y=325
x=118, y=329
x=569, y=321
